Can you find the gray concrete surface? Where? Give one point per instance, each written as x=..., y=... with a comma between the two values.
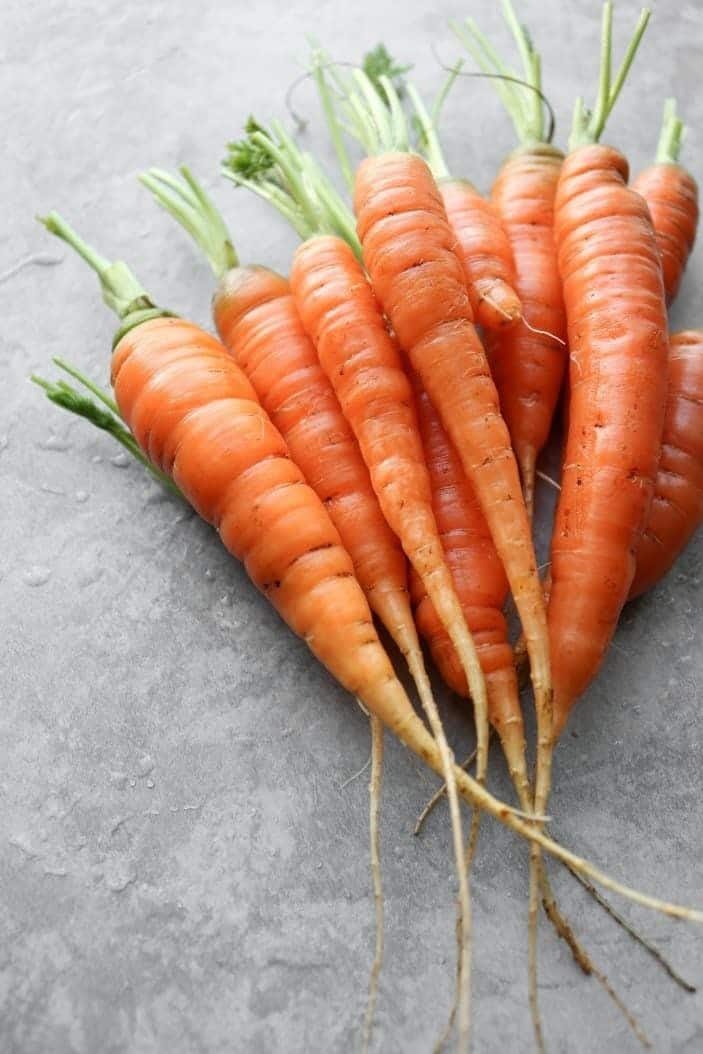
x=183, y=867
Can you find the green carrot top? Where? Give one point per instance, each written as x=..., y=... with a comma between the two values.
x=522, y=96
x=188, y=202
x=588, y=125
x=671, y=137
x=121, y=290
x=270, y=163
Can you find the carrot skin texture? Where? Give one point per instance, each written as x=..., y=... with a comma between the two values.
x=410, y=254
x=363, y=362
x=671, y=194
x=485, y=253
x=256, y=318
x=528, y=367
x=480, y=583
x=677, y=506
x=614, y=296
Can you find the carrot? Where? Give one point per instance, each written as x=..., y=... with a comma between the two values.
x=677, y=505
x=256, y=317
x=181, y=415
x=671, y=194
x=609, y=263
x=528, y=360
x=482, y=587
x=676, y=511
x=483, y=244
x=616, y=321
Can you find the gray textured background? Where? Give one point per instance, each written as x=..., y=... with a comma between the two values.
x=181, y=869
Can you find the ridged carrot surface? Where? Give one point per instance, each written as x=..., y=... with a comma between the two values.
x=257, y=320
x=614, y=296
x=671, y=194
x=364, y=365
x=677, y=506
x=529, y=367
x=485, y=252
x=481, y=585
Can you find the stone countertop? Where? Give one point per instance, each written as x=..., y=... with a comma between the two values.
x=183, y=855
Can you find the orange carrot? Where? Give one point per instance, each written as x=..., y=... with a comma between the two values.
x=481, y=585
x=609, y=264
x=671, y=194
x=677, y=505
x=190, y=406
x=528, y=360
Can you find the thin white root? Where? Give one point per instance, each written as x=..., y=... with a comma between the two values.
x=548, y=479
x=374, y=831
x=441, y=793
x=361, y=771
x=544, y=333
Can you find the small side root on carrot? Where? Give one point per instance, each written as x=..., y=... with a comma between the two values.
x=544, y=333
x=359, y=772
x=648, y=946
x=548, y=479
x=441, y=793
x=375, y=782
x=584, y=960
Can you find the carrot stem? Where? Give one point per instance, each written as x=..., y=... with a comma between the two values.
x=334, y=125
x=587, y=126
x=97, y=391
x=431, y=147
x=532, y=69
x=188, y=203
x=673, y=133
x=521, y=96
x=292, y=181
x=120, y=288
x=62, y=394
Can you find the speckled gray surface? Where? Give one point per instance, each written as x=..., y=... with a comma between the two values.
x=183, y=868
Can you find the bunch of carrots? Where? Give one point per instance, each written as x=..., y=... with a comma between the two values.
x=364, y=434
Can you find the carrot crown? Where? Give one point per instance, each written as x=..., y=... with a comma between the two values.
x=189, y=204
x=588, y=125
x=522, y=97
x=271, y=164
x=672, y=136
x=121, y=290
x=426, y=122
